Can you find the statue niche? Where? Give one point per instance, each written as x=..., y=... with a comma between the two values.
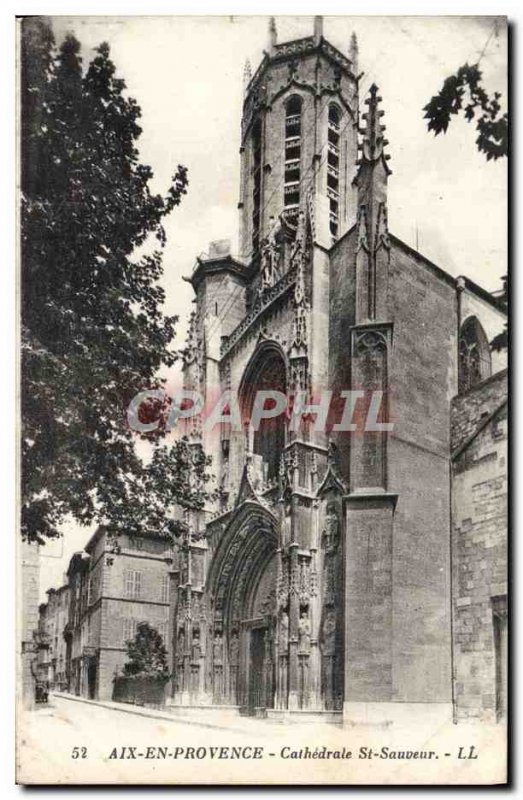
x=331, y=557
x=304, y=633
x=271, y=254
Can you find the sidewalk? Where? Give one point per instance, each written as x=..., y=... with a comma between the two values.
x=240, y=724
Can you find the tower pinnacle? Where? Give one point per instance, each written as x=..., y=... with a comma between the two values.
x=247, y=74
x=353, y=52
x=318, y=29
x=373, y=142
x=273, y=34
x=371, y=181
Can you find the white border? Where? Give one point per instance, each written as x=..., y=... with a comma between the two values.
x=7, y=308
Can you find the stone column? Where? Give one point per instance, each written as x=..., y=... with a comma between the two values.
x=294, y=617
x=174, y=580
x=315, y=619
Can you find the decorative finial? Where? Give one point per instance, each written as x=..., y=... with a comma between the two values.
x=247, y=74
x=318, y=29
x=373, y=142
x=273, y=34
x=353, y=52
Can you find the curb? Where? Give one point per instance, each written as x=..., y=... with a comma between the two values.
x=150, y=713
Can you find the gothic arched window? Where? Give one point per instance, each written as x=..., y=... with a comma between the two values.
x=266, y=372
x=474, y=355
x=333, y=168
x=293, y=124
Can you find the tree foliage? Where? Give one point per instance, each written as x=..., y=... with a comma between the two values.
x=93, y=329
x=463, y=93
x=146, y=653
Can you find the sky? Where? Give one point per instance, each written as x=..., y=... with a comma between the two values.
x=186, y=73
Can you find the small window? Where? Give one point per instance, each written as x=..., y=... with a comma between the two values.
x=129, y=629
x=164, y=589
x=133, y=583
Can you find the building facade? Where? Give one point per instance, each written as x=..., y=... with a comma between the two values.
x=111, y=587
x=479, y=549
x=128, y=583
x=29, y=577
x=55, y=615
x=320, y=581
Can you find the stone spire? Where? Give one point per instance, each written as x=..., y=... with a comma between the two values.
x=273, y=34
x=371, y=182
x=247, y=74
x=353, y=52
x=373, y=142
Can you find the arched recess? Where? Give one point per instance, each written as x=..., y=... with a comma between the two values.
x=242, y=589
x=246, y=547
x=266, y=371
x=475, y=362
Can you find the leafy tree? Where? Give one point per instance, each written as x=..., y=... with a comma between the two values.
x=146, y=653
x=93, y=330
x=463, y=93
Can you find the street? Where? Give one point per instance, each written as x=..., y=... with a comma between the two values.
x=76, y=741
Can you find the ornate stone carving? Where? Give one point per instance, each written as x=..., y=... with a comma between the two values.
x=331, y=532
x=304, y=583
x=261, y=308
x=282, y=586
x=283, y=632
x=329, y=632
x=196, y=646
x=297, y=47
x=272, y=254
x=370, y=341
x=234, y=649
x=180, y=643
x=331, y=559
x=217, y=649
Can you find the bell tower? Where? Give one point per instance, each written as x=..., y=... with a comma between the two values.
x=299, y=139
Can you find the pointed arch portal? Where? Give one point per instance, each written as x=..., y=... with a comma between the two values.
x=242, y=585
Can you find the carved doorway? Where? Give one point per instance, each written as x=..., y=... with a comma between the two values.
x=242, y=585
x=259, y=637
x=259, y=672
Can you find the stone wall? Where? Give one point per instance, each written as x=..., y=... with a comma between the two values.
x=479, y=550
x=470, y=408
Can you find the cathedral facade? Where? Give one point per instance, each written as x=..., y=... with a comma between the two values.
x=319, y=581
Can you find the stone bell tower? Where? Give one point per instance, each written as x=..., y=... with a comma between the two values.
x=298, y=139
